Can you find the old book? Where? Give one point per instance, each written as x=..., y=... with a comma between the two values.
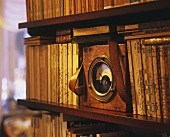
x=75, y=67
x=28, y=10
x=101, y=4
x=31, y=65
x=131, y=73
x=163, y=82
x=49, y=73
x=90, y=30
x=67, y=7
x=138, y=76
x=57, y=8
x=63, y=32
x=65, y=73
x=43, y=73
x=141, y=26
x=150, y=100
x=27, y=73
x=98, y=38
x=70, y=71
x=60, y=74
x=63, y=39
x=78, y=8
x=36, y=72
x=72, y=8
x=108, y=4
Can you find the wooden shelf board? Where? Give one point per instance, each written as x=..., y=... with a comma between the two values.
x=126, y=119
x=135, y=13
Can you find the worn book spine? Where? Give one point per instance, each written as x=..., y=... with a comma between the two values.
x=60, y=73
x=52, y=75
x=31, y=63
x=36, y=73
x=65, y=75
x=131, y=73
x=49, y=73
x=139, y=87
x=70, y=71
x=101, y=4
x=27, y=73
x=75, y=67
x=156, y=83
x=163, y=82
x=108, y=4
x=167, y=77
x=43, y=72
x=28, y=10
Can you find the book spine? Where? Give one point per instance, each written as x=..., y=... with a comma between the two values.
x=163, y=85
x=28, y=10
x=73, y=7
x=36, y=73
x=60, y=73
x=75, y=67
x=49, y=72
x=31, y=63
x=108, y=4
x=139, y=87
x=65, y=75
x=70, y=71
x=167, y=76
x=155, y=81
x=101, y=4
x=131, y=73
x=43, y=72
x=27, y=73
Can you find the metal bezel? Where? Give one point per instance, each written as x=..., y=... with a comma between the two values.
x=103, y=97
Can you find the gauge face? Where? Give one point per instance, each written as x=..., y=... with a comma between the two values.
x=101, y=79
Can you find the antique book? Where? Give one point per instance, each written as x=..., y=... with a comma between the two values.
x=90, y=31
x=43, y=72
x=36, y=72
x=138, y=77
x=108, y=4
x=131, y=73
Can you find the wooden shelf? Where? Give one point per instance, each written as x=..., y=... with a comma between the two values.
x=135, y=13
x=126, y=119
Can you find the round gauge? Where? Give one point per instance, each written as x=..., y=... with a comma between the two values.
x=101, y=79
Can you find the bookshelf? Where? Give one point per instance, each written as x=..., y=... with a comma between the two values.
x=136, y=13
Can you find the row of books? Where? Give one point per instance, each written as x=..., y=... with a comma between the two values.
x=150, y=76
x=43, y=9
x=50, y=125
x=49, y=69
x=148, y=47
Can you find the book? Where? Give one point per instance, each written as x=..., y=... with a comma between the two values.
x=60, y=74
x=65, y=73
x=90, y=31
x=138, y=77
x=131, y=73
x=43, y=73
x=27, y=73
x=98, y=38
x=36, y=72
x=108, y=4
x=142, y=26
x=31, y=68
x=49, y=73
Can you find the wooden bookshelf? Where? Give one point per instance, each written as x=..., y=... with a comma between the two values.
x=131, y=14
x=126, y=119
x=135, y=13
